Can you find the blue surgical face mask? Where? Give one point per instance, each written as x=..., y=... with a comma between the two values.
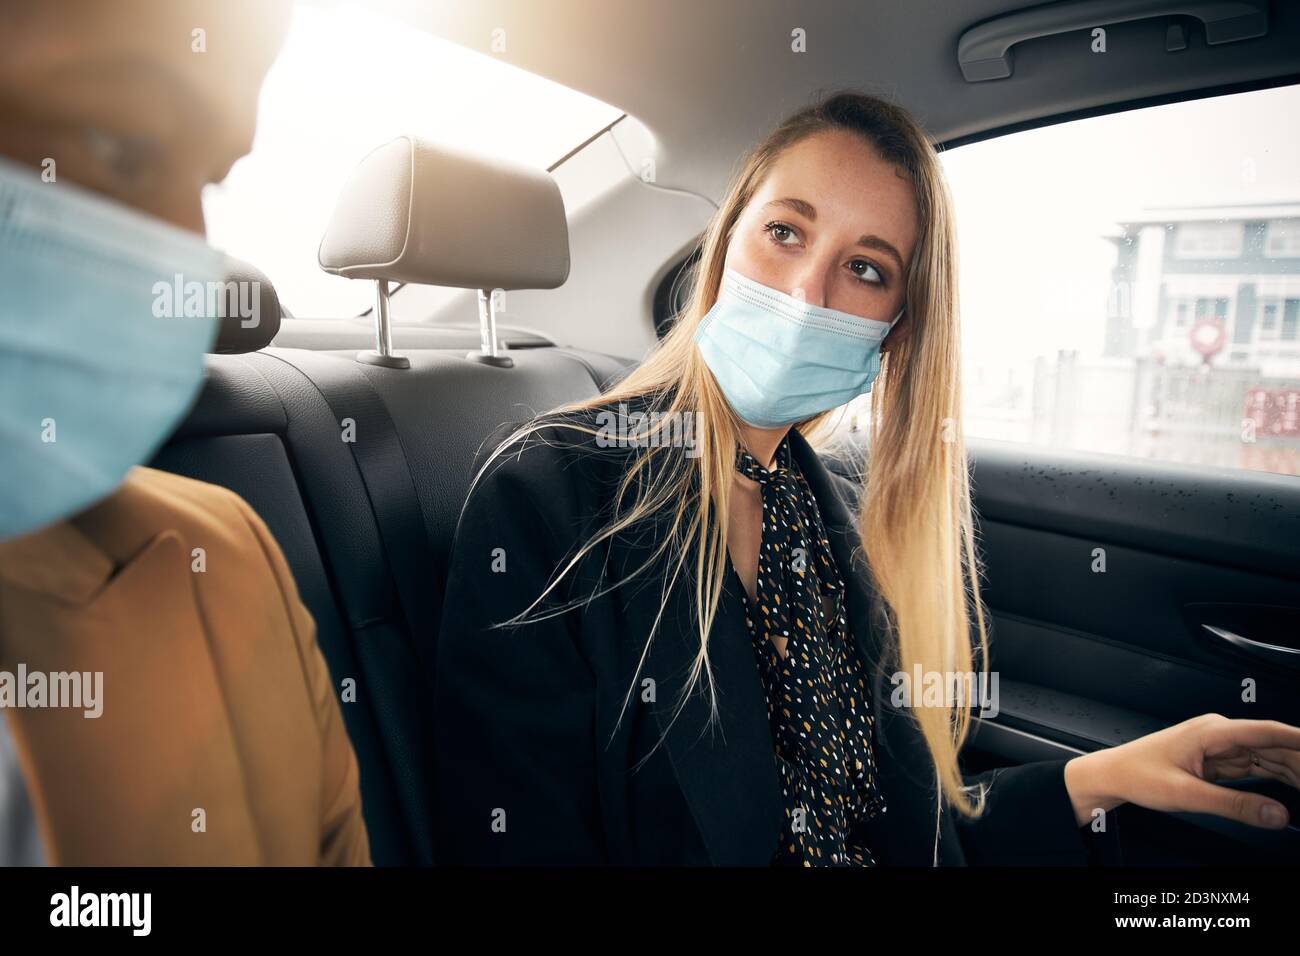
x=780, y=360
x=98, y=358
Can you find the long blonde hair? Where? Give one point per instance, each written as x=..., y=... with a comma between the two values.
x=915, y=511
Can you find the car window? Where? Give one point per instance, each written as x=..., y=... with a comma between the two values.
x=1130, y=283
x=348, y=80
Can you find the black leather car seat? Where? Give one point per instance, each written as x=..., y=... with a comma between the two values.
x=360, y=471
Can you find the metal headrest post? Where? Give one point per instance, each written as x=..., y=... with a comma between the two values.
x=489, y=352
x=383, y=353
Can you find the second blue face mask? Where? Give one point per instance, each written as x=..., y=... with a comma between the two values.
x=98, y=358
x=780, y=360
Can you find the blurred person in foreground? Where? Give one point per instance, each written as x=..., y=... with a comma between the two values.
x=218, y=738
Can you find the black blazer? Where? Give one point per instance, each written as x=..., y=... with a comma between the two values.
x=529, y=764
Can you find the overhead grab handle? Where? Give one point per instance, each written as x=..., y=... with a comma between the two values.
x=984, y=51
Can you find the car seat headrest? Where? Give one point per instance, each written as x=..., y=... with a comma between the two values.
x=251, y=315
x=428, y=213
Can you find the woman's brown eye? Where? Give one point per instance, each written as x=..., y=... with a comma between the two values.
x=878, y=280
x=773, y=228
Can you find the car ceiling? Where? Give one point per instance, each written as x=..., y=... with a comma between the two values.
x=711, y=77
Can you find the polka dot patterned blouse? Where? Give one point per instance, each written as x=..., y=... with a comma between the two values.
x=817, y=694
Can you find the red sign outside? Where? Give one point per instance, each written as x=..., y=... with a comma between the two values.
x=1275, y=411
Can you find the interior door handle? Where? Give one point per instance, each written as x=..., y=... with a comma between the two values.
x=984, y=51
x=1276, y=653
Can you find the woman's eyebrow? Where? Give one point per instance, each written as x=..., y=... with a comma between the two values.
x=884, y=245
x=802, y=207
x=809, y=211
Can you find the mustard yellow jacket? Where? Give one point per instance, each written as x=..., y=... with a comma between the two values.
x=220, y=741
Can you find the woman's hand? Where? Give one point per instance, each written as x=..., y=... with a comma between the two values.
x=1176, y=770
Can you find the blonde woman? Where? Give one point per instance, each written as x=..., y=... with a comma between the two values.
x=668, y=624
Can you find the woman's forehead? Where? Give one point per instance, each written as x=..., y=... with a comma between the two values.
x=837, y=164
x=838, y=181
